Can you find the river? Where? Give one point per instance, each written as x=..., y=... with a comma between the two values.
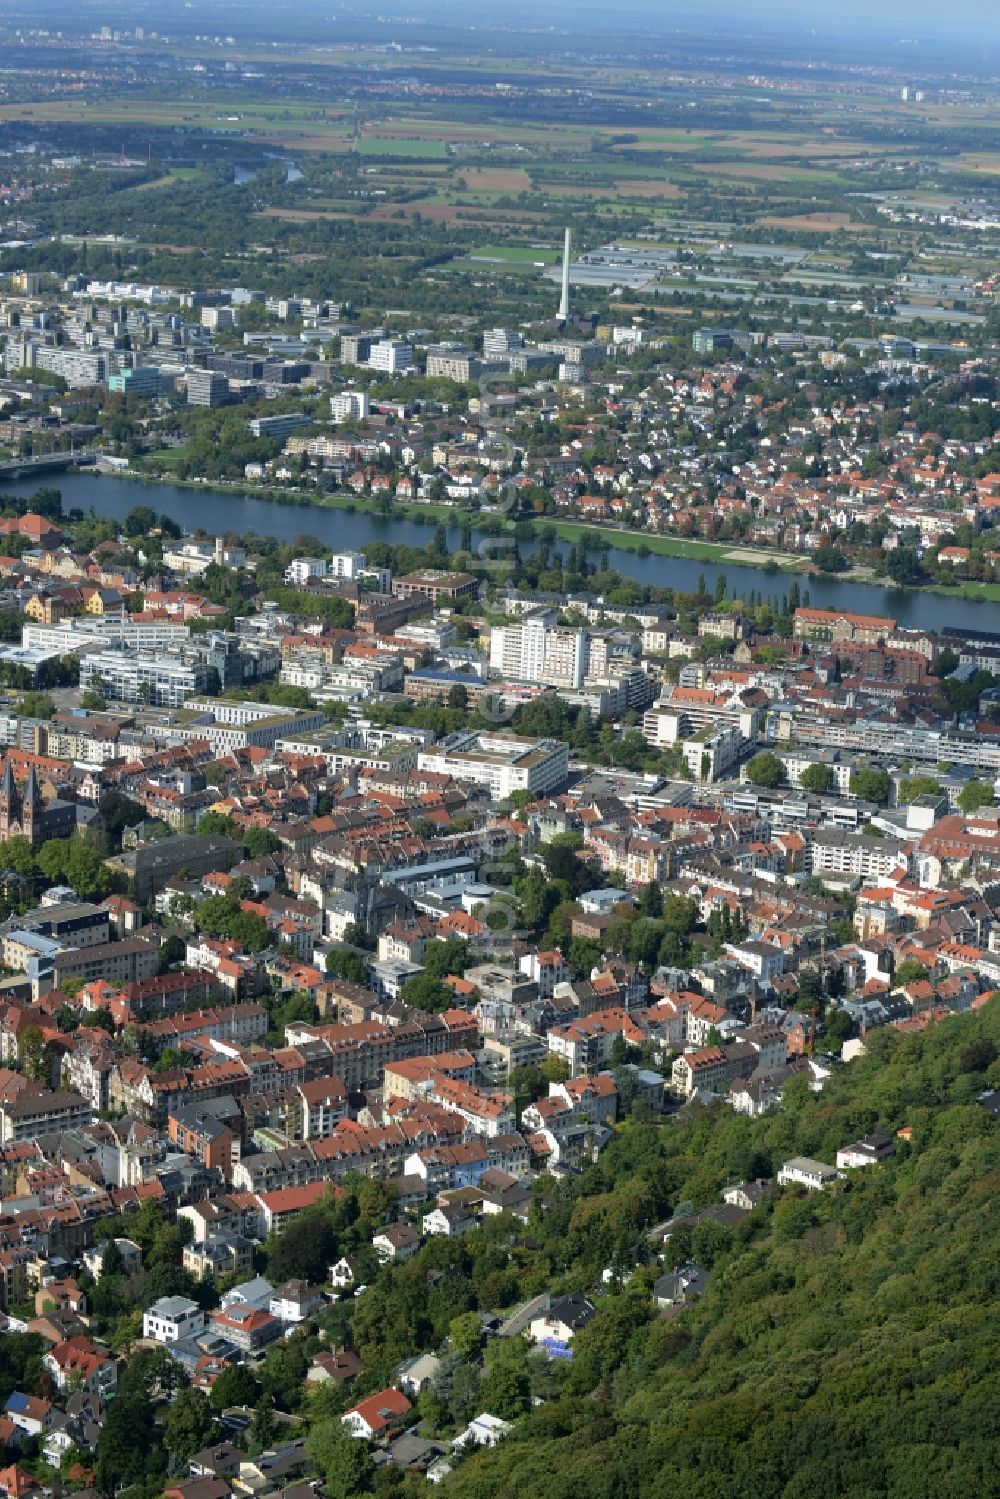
x=216, y=511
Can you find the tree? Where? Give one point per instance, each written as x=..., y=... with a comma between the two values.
x=217, y=823
x=765, y=769
x=259, y=842
x=17, y=854
x=33, y=1054
x=172, y=951
x=458, y=696
x=345, y=1462
x=831, y=560
x=904, y=566
x=189, y=1425
x=973, y=795
x=223, y=916
x=817, y=778
x=870, y=785
x=466, y=1335
x=139, y=521
x=346, y=964
x=651, y=900
x=908, y=788
x=449, y=956
x=236, y=1385
x=909, y=972
x=305, y=1249
x=127, y=1446
x=263, y=1427
x=36, y=705
x=427, y=993
x=152, y=1373
x=506, y=1386
x=945, y=662
x=117, y=813
x=537, y=897
x=86, y=870
x=553, y=1068
x=561, y=862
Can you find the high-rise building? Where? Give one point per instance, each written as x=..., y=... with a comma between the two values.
x=143, y=381
x=391, y=356
x=535, y=649
x=355, y=348
x=206, y=388
x=499, y=341
x=350, y=404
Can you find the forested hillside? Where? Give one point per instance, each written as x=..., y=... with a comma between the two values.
x=847, y=1342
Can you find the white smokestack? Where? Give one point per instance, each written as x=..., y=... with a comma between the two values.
x=564, y=299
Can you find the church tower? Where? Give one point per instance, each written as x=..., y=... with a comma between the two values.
x=9, y=810
x=31, y=810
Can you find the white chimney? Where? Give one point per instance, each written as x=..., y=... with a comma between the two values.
x=564, y=300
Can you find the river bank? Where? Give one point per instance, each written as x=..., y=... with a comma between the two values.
x=344, y=522
x=596, y=538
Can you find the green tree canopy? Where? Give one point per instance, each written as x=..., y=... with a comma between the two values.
x=765, y=769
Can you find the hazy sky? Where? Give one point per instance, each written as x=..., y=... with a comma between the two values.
x=974, y=18
x=968, y=27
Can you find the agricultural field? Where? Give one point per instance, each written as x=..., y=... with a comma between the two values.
x=453, y=176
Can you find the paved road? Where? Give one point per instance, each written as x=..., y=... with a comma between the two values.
x=519, y=1320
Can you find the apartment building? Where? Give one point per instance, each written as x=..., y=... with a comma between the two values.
x=535, y=649
x=38, y=1111
x=78, y=367
x=355, y=348
x=280, y=425
x=500, y=341
x=173, y=1318
x=149, y=867
x=452, y=362
x=712, y=753
x=841, y=625
x=713, y=1068
x=206, y=388
x=856, y=855
x=350, y=405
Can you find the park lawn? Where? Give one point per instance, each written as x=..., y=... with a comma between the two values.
x=516, y=254
x=164, y=457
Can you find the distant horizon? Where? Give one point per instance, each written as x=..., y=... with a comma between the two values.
x=970, y=21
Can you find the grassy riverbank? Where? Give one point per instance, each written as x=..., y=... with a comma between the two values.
x=596, y=538
x=612, y=538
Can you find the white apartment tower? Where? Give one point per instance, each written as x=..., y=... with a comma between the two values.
x=533, y=649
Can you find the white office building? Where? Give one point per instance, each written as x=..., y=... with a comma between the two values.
x=97, y=631
x=504, y=763
x=499, y=341
x=391, y=356
x=166, y=681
